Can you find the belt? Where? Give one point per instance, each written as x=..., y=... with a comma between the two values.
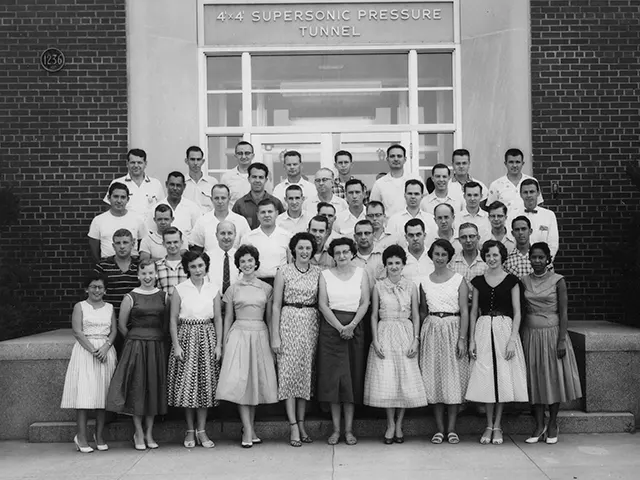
x=445, y=314
x=300, y=305
x=495, y=313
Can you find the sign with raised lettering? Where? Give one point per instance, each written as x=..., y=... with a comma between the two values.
x=328, y=24
x=52, y=60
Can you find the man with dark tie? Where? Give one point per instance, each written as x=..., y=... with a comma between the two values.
x=222, y=269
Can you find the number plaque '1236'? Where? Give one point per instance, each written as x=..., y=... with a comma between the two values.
x=52, y=60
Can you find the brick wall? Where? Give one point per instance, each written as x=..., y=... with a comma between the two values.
x=63, y=137
x=586, y=127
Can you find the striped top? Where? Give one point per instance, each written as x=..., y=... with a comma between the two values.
x=119, y=283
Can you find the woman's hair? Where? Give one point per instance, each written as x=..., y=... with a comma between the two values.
x=446, y=246
x=343, y=241
x=191, y=256
x=394, y=251
x=541, y=246
x=244, y=250
x=494, y=243
x=94, y=277
x=146, y=262
x=298, y=237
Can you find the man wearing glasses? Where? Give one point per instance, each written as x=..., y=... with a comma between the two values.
x=497, y=218
x=236, y=178
x=323, y=181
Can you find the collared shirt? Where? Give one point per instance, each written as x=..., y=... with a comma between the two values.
x=396, y=223
x=273, y=249
x=119, y=282
x=185, y=216
x=308, y=189
x=143, y=198
x=323, y=259
x=248, y=208
x=383, y=241
x=544, y=225
x=453, y=240
x=169, y=276
x=311, y=204
x=293, y=225
x=416, y=269
x=346, y=222
x=456, y=187
x=431, y=201
x=216, y=267
x=103, y=227
x=502, y=189
x=372, y=265
x=200, y=192
x=517, y=264
x=390, y=191
x=480, y=220
x=204, y=232
x=238, y=184
x=469, y=271
x=338, y=188
x=508, y=241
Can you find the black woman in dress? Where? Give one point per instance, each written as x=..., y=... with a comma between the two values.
x=295, y=332
x=498, y=371
x=343, y=300
x=552, y=371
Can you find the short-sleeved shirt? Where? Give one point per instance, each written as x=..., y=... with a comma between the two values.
x=185, y=216
x=152, y=244
x=204, y=232
x=495, y=299
x=480, y=220
x=459, y=265
x=311, y=204
x=456, y=187
x=293, y=225
x=249, y=298
x=143, y=198
x=273, y=249
x=504, y=190
x=346, y=222
x=248, y=208
x=431, y=201
x=103, y=227
x=517, y=264
x=390, y=191
x=279, y=191
x=200, y=192
x=119, y=283
x=196, y=304
x=169, y=275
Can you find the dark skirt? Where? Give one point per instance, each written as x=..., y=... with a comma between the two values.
x=139, y=384
x=341, y=363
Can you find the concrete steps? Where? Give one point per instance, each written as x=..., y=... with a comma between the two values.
x=277, y=428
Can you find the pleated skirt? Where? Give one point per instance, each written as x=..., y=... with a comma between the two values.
x=87, y=380
x=139, y=384
x=445, y=376
x=494, y=379
x=394, y=381
x=248, y=374
x=551, y=379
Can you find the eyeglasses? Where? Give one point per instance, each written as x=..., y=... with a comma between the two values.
x=322, y=180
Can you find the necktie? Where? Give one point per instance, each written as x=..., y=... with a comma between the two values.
x=530, y=210
x=226, y=274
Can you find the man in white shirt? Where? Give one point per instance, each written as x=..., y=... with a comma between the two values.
x=271, y=241
x=237, y=178
x=418, y=264
x=366, y=257
x=223, y=253
x=293, y=167
x=324, y=193
x=117, y=217
x=498, y=217
x=472, y=213
x=185, y=212
x=198, y=183
x=152, y=245
x=294, y=219
x=440, y=174
x=413, y=193
x=378, y=218
x=346, y=220
x=460, y=162
x=203, y=234
x=389, y=188
x=543, y=221
x=444, y=216
x=144, y=192
x=507, y=189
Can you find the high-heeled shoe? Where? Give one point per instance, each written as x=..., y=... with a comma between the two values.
x=536, y=439
x=189, y=443
x=139, y=446
x=100, y=447
x=553, y=440
x=86, y=449
x=207, y=442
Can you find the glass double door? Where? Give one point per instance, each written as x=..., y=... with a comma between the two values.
x=318, y=149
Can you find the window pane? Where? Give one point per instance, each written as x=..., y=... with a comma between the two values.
x=327, y=71
x=221, y=153
x=224, y=73
x=435, y=106
x=224, y=110
x=329, y=110
x=273, y=154
x=435, y=70
x=435, y=148
x=369, y=154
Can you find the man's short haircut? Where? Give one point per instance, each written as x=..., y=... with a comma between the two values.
x=194, y=148
x=291, y=153
x=513, y=152
x=467, y=225
x=243, y=142
x=321, y=219
x=521, y=218
x=137, y=152
x=172, y=231
x=322, y=205
x=414, y=222
x=453, y=212
x=342, y=152
x=354, y=181
x=176, y=174
x=376, y=203
x=460, y=152
x=471, y=184
x=497, y=205
x=397, y=145
x=342, y=241
x=292, y=188
x=445, y=245
x=94, y=276
x=440, y=165
x=530, y=181
x=258, y=166
x=267, y=201
x=118, y=186
x=222, y=185
x=363, y=223
x=414, y=181
x=494, y=243
x=122, y=232
x=162, y=208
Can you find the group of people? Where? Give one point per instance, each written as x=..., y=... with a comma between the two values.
x=334, y=297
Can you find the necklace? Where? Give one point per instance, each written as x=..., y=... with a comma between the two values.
x=539, y=276
x=296, y=265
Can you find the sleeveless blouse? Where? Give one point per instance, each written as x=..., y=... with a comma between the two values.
x=344, y=294
x=96, y=322
x=147, y=315
x=395, y=299
x=541, y=306
x=442, y=297
x=196, y=304
x=496, y=300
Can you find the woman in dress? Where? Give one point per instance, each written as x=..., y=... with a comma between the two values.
x=248, y=375
x=92, y=363
x=498, y=371
x=295, y=331
x=195, y=322
x=393, y=378
x=139, y=385
x=443, y=353
x=552, y=371
x=343, y=300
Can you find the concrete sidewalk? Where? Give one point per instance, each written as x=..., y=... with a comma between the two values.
x=575, y=457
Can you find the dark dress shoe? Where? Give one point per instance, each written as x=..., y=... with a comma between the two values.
x=398, y=439
x=388, y=441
